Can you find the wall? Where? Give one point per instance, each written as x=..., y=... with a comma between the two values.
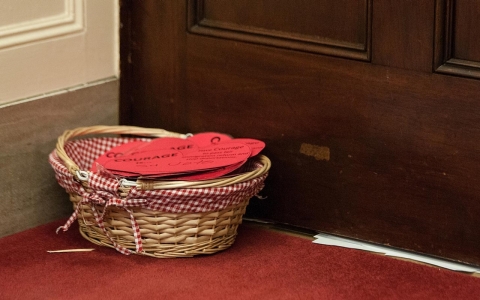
x=58, y=70
x=48, y=45
x=30, y=195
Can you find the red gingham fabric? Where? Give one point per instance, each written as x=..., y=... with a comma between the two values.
x=102, y=183
x=103, y=190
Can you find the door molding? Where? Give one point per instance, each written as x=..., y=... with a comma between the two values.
x=445, y=61
x=199, y=23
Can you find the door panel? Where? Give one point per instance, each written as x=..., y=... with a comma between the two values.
x=376, y=146
x=403, y=33
x=466, y=39
x=288, y=24
x=457, y=40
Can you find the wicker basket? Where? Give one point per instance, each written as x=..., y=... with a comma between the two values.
x=153, y=218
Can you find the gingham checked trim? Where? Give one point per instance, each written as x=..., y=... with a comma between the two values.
x=85, y=151
x=103, y=190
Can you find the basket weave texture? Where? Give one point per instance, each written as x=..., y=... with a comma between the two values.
x=153, y=218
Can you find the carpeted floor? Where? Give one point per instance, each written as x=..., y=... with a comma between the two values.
x=262, y=264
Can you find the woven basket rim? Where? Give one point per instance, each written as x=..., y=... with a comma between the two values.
x=82, y=175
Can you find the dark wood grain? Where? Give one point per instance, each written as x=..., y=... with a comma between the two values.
x=271, y=23
x=402, y=34
x=290, y=16
x=385, y=151
x=126, y=90
x=457, y=40
x=152, y=70
x=466, y=34
x=404, y=155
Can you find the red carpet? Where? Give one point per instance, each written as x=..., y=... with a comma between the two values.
x=260, y=265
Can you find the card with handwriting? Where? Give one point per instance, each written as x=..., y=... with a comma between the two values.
x=202, y=156
x=168, y=162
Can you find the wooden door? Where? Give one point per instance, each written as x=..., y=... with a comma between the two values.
x=370, y=109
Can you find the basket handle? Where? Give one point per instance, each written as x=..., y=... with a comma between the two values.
x=101, y=129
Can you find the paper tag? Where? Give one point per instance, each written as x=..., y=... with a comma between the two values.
x=143, y=162
x=118, y=151
x=205, y=139
x=255, y=145
x=201, y=175
x=175, y=144
x=172, y=162
x=203, y=156
x=140, y=146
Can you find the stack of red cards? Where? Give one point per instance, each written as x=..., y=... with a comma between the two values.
x=199, y=157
